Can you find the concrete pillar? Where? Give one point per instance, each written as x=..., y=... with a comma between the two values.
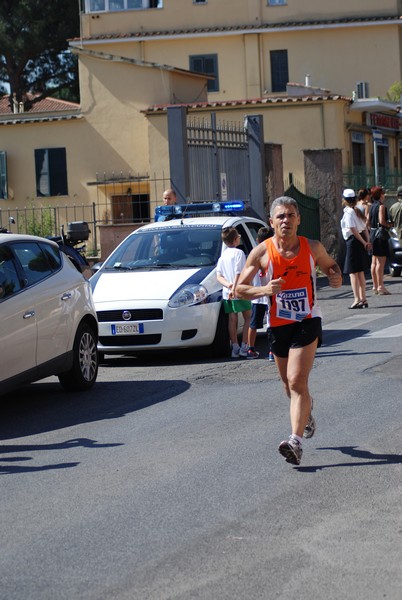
x=178, y=152
x=255, y=129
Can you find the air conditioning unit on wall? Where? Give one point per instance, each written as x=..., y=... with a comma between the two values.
x=362, y=88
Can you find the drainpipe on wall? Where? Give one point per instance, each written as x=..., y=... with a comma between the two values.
x=377, y=137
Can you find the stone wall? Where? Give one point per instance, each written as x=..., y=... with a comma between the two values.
x=323, y=179
x=273, y=173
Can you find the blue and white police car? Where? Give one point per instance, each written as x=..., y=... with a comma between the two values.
x=158, y=289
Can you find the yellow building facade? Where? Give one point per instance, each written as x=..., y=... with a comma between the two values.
x=337, y=43
x=316, y=71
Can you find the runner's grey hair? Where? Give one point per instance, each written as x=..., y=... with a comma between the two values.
x=283, y=201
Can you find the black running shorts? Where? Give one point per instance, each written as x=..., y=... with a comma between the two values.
x=295, y=335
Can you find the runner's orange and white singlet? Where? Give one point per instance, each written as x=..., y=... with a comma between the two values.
x=298, y=298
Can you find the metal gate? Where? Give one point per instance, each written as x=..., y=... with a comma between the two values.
x=218, y=160
x=213, y=162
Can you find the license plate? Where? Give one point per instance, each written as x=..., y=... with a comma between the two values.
x=127, y=328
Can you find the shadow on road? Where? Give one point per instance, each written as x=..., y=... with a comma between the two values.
x=368, y=459
x=7, y=466
x=45, y=406
x=339, y=336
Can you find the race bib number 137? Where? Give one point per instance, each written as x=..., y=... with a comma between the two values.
x=292, y=304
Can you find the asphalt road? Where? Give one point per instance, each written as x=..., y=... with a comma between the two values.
x=164, y=481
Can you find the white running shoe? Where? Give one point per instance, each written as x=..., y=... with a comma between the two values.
x=292, y=450
x=244, y=350
x=311, y=426
x=235, y=351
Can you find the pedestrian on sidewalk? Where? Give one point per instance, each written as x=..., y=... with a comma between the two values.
x=356, y=236
x=395, y=213
x=228, y=271
x=379, y=222
x=294, y=316
x=363, y=203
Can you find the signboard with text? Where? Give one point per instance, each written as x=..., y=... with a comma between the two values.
x=383, y=121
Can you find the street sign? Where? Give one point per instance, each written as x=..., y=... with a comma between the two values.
x=377, y=136
x=224, y=187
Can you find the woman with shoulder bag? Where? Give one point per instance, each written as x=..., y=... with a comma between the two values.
x=355, y=234
x=379, y=225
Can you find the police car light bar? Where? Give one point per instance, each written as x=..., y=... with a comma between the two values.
x=177, y=211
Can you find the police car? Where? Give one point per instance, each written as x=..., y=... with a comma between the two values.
x=158, y=289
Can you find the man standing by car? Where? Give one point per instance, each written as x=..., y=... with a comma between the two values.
x=169, y=197
x=395, y=212
x=294, y=316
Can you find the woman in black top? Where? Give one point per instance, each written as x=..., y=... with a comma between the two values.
x=378, y=218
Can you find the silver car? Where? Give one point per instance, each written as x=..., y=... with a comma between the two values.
x=48, y=319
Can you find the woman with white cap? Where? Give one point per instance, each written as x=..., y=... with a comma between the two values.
x=355, y=234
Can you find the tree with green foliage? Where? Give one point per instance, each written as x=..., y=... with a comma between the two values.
x=395, y=92
x=35, y=61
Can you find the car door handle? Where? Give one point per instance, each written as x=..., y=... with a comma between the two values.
x=29, y=314
x=66, y=296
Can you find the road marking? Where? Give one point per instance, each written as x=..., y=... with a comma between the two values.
x=356, y=321
x=388, y=332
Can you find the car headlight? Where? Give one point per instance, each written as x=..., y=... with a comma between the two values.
x=188, y=295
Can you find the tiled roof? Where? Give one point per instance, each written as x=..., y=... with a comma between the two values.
x=316, y=23
x=42, y=106
x=252, y=102
x=37, y=118
x=138, y=62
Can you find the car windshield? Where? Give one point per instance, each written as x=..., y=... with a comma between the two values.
x=156, y=248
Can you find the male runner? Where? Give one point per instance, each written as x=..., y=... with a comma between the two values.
x=294, y=317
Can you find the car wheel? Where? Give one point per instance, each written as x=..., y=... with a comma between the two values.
x=84, y=371
x=394, y=271
x=220, y=347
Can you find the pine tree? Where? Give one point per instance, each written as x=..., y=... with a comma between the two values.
x=34, y=58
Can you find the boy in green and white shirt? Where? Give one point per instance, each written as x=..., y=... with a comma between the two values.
x=228, y=270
